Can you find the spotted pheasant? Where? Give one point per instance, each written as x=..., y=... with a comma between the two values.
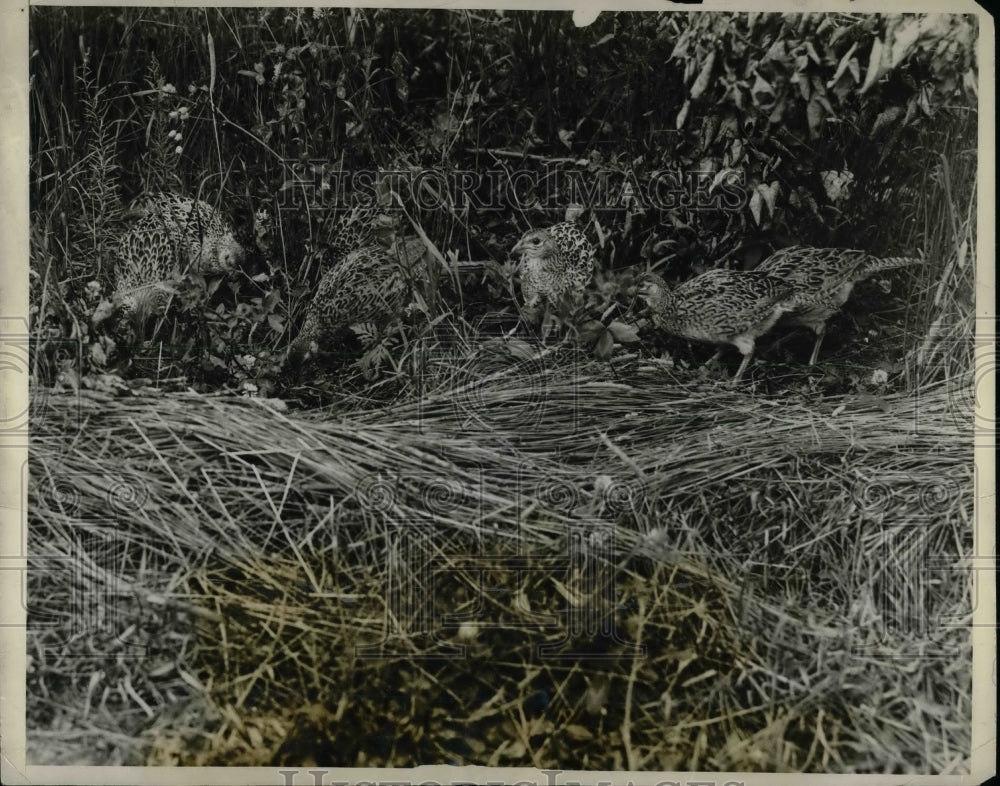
x=169, y=237
x=718, y=307
x=353, y=229
x=821, y=280
x=371, y=284
x=554, y=262
x=204, y=240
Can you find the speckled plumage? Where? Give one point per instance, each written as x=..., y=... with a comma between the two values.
x=554, y=262
x=821, y=280
x=718, y=307
x=371, y=284
x=203, y=240
x=353, y=230
x=169, y=237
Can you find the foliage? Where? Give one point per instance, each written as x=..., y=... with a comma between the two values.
x=694, y=139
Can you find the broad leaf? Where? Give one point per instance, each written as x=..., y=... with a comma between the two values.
x=875, y=69
x=623, y=332
x=605, y=346
x=704, y=76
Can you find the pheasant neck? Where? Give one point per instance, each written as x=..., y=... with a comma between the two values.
x=665, y=299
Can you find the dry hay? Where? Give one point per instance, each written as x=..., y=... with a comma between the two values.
x=791, y=566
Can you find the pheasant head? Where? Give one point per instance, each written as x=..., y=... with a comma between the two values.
x=536, y=244
x=653, y=289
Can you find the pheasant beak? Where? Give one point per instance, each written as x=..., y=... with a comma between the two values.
x=530, y=243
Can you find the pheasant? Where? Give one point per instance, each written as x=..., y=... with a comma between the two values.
x=204, y=240
x=554, y=262
x=170, y=236
x=355, y=229
x=718, y=307
x=821, y=280
x=371, y=284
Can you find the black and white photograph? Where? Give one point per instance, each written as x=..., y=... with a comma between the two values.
x=550, y=394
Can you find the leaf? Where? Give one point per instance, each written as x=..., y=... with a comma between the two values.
x=815, y=115
x=813, y=54
x=769, y=194
x=842, y=65
x=778, y=112
x=605, y=346
x=97, y=355
x=623, y=332
x=836, y=183
x=803, y=84
x=875, y=69
x=681, y=47
x=420, y=303
x=367, y=332
x=709, y=130
x=755, y=206
x=971, y=82
x=566, y=137
x=277, y=323
x=963, y=254
x=903, y=40
x=701, y=83
x=578, y=733
x=777, y=51
x=682, y=115
x=724, y=173
x=270, y=300
x=737, y=94
x=590, y=330
x=735, y=154
x=520, y=349
x=855, y=68
x=761, y=88
x=924, y=98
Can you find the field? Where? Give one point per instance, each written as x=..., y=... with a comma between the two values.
x=449, y=539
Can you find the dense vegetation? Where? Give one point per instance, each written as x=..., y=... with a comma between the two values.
x=758, y=531
x=696, y=140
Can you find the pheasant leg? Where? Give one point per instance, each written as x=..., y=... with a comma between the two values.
x=820, y=331
x=743, y=366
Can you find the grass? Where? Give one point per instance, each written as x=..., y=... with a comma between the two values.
x=776, y=559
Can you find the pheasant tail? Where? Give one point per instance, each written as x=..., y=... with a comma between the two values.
x=875, y=264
